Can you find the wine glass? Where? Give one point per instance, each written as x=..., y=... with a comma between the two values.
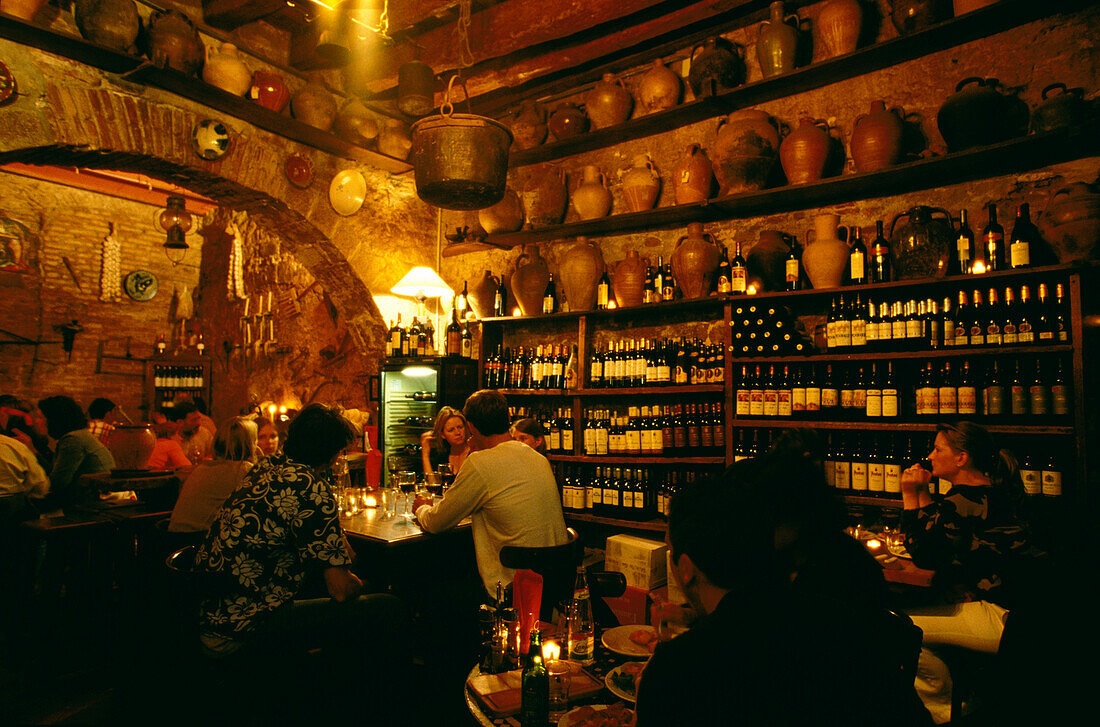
x=406, y=481
x=448, y=476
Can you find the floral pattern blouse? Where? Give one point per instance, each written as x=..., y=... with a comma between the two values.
x=282, y=520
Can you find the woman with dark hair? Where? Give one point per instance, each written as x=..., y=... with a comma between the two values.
x=531, y=433
x=78, y=451
x=447, y=443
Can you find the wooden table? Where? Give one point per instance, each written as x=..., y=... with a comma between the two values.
x=373, y=525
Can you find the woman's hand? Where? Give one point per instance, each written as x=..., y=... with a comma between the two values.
x=914, y=479
x=426, y=438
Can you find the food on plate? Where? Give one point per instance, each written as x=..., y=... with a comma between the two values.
x=643, y=637
x=616, y=715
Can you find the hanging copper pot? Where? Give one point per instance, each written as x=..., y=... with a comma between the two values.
x=415, y=88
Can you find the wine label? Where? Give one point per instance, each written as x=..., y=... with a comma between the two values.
x=610, y=497
x=1008, y=334
x=874, y=402
x=897, y=329
x=1024, y=332
x=856, y=265
x=843, y=334
x=830, y=472
x=913, y=328
x=1040, y=400
x=843, y=479
x=993, y=335
x=993, y=400
x=601, y=296
x=870, y=332
x=756, y=403
x=1033, y=481
x=1059, y=400
x=798, y=399
x=628, y=499
x=601, y=441
x=590, y=442
x=723, y=284
x=892, y=478
x=847, y=398
x=813, y=398
x=771, y=403
x=962, y=244
x=744, y=397
x=633, y=441
x=783, y=402
x=859, y=476
x=859, y=332
x=791, y=268
x=555, y=440
x=1052, y=483
x=830, y=334
x=738, y=283
x=567, y=440
x=859, y=398
x=876, y=477
x=948, y=403
x=1018, y=399
x=829, y=397
x=967, y=400
x=977, y=336
x=1019, y=253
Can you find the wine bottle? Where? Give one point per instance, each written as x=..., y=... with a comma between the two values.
x=891, y=470
x=1044, y=321
x=1059, y=395
x=739, y=272
x=668, y=283
x=842, y=463
x=1031, y=475
x=1023, y=236
x=550, y=297
x=993, y=393
x=962, y=261
x=1039, y=393
x=858, y=458
x=1018, y=394
x=858, y=323
x=993, y=317
x=876, y=468
x=723, y=275
x=603, y=291
x=534, y=708
x=792, y=267
x=1025, y=327
x=1009, y=335
x=462, y=301
x=977, y=320
x=947, y=392
x=659, y=280
x=454, y=334
x=1052, y=477
x=889, y=392
x=880, y=256
x=1061, y=314
x=500, y=300
x=873, y=404
x=830, y=394
x=756, y=395
x=857, y=258
x=993, y=240
x=966, y=398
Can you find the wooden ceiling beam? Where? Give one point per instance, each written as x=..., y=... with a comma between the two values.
x=232, y=14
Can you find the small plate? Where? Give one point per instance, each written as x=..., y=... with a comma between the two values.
x=140, y=285
x=899, y=551
x=628, y=694
x=570, y=719
x=299, y=170
x=347, y=192
x=618, y=640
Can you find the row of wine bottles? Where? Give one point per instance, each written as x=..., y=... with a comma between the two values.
x=623, y=493
x=178, y=377
x=766, y=330
x=655, y=362
x=546, y=366
x=677, y=430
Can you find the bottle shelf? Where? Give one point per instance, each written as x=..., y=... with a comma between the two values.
x=657, y=526
x=884, y=356
x=870, y=501
x=710, y=303
x=621, y=391
x=898, y=426
x=633, y=459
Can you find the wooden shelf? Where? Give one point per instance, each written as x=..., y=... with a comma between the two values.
x=1014, y=156
x=971, y=26
x=657, y=526
x=883, y=356
x=626, y=391
x=870, y=501
x=711, y=303
x=633, y=459
x=882, y=425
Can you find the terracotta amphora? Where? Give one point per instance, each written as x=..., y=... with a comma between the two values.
x=805, y=151
x=641, y=185
x=838, y=26
x=660, y=88
x=766, y=259
x=694, y=261
x=628, y=280
x=716, y=67
x=876, y=139
x=777, y=42
x=608, y=103
x=693, y=178
x=745, y=150
x=826, y=256
x=314, y=104
x=113, y=24
x=529, y=281
x=173, y=41
x=545, y=196
x=505, y=216
x=592, y=198
x=529, y=127
x=225, y=69
x=131, y=445
x=482, y=294
x=579, y=272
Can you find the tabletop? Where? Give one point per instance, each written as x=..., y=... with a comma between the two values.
x=374, y=525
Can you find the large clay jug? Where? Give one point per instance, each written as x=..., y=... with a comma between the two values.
x=641, y=185
x=529, y=281
x=25, y=10
x=173, y=41
x=838, y=26
x=131, y=445
x=608, y=103
x=805, y=151
x=567, y=121
x=592, y=198
x=545, y=196
x=113, y=24
x=745, y=150
x=529, y=127
x=505, y=216
x=1071, y=222
x=977, y=114
x=767, y=258
x=355, y=124
x=876, y=139
x=393, y=139
x=922, y=244
x=580, y=270
x=313, y=104
x=483, y=293
x=826, y=256
x=716, y=67
x=269, y=90
x=225, y=69
x=777, y=42
x=694, y=261
x=693, y=178
x=628, y=280
x=660, y=88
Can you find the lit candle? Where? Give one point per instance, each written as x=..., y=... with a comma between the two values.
x=370, y=501
x=751, y=290
x=979, y=268
x=550, y=651
x=271, y=413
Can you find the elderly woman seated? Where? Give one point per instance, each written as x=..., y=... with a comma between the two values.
x=208, y=486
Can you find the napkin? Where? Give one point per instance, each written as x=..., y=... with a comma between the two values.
x=527, y=600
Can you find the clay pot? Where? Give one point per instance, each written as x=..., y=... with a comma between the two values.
x=805, y=151
x=529, y=128
x=1071, y=222
x=766, y=260
x=745, y=150
x=717, y=66
x=113, y=24
x=909, y=16
x=505, y=216
x=545, y=196
x=483, y=293
x=825, y=258
x=1061, y=107
x=25, y=10
x=591, y=198
x=966, y=6
x=393, y=139
x=608, y=103
x=566, y=121
x=876, y=139
x=314, y=105
x=641, y=185
x=580, y=270
x=131, y=445
x=173, y=41
x=225, y=69
x=777, y=42
x=838, y=26
x=660, y=88
x=355, y=124
x=693, y=178
x=529, y=281
x=269, y=91
x=922, y=245
x=979, y=114
x=694, y=261
x=628, y=280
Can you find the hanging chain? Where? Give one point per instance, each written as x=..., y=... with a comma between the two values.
x=461, y=35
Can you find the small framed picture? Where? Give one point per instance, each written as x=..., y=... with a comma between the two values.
x=374, y=388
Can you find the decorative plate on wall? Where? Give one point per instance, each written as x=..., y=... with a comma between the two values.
x=299, y=170
x=347, y=192
x=210, y=139
x=141, y=285
x=7, y=83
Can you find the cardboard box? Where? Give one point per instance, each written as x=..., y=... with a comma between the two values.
x=641, y=561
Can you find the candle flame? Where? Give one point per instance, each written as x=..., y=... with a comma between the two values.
x=979, y=268
x=370, y=501
x=551, y=651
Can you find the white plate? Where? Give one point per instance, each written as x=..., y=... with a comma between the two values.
x=900, y=552
x=347, y=192
x=568, y=719
x=618, y=640
x=609, y=682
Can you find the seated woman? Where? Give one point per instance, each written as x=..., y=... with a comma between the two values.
x=78, y=452
x=267, y=437
x=167, y=452
x=531, y=433
x=447, y=443
x=208, y=486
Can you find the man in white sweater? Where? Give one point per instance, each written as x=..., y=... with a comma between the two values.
x=506, y=488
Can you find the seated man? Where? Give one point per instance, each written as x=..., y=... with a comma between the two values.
x=196, y=440
x=507, y=488
x=101, y=417
x=22, y=480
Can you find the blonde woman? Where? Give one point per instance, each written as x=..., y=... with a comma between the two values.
x=208, y=486
x=447, y=443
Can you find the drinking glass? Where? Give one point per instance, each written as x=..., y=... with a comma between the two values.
x=433, y=482
x=406, y=481
x=561, y=679
x=389, y=501
x=447, y=475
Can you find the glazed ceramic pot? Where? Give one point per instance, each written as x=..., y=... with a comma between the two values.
x=529, y=128
x=269, y=91
x=694, y=261
x=693, y=177
x=355, y=124
x=225, y=69
x=580, y=269
x=608, y=103
x=826, y=256
x=173, y=41
x=660, y=88
x=910, y=16
x=314, y=105
x=805, y=151
x=1071, y=222
x=393, y=139
x=131, y=445
x=628, y=280
x=567, y=121
x=876, y=139
x=777, y=42
x=25, y=10
x=979, y=114
x=113, y=24
x=483, y=293
x=545, y=196
x=1061, y=106
x=767, y=258
x=922, y=244
x=716, y=67
x=505, y=216
x=838, y=26
x=592, y=199
x=529, y=281
x=641, y=185
x=745, y=150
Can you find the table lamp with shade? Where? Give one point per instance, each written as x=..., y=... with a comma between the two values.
x=422, y=283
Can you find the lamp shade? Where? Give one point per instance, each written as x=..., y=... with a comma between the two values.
x=422, y=282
